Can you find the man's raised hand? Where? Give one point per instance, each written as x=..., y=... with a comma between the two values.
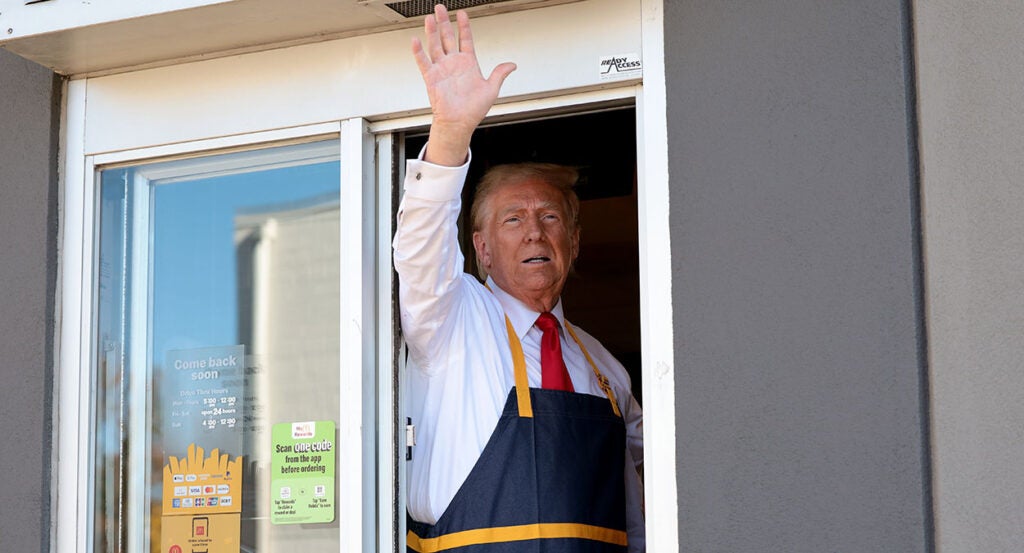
x=460, y=96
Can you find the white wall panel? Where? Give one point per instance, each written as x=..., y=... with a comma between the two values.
x=556, y=48
x=49, y=16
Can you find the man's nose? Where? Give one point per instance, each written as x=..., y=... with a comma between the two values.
x=534, y=230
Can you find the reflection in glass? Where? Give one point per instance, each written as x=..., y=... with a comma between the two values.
x=217, y=317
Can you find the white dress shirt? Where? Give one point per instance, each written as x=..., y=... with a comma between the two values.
x=460, y=365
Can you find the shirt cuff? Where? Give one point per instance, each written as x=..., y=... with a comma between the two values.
x=429, y=181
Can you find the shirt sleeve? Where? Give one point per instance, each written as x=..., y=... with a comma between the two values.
x=427, y=256
x=635, y=528
x=632, y=416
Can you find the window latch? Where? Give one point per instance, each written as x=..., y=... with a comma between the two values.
x=410, y=438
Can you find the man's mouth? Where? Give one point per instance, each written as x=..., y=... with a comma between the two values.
x=537, y=259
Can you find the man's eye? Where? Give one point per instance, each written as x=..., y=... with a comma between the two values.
x=512, y=220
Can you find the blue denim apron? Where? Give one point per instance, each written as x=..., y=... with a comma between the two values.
x=549, y=480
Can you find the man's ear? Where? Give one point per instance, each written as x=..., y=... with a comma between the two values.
x=483, y=256
x=575, y=244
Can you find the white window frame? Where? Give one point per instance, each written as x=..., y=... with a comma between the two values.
x=75, y=510
x=655, y=282
x=140, y=316
x=367, y=520
x=656, y=338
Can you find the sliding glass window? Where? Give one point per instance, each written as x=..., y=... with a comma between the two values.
x=216, y=376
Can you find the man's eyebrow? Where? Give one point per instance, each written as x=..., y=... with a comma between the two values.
x=516, y=207
x=509, y=209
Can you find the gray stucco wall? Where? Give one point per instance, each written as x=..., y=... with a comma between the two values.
x=799, y=365
x=972, y=111
x=29, y=119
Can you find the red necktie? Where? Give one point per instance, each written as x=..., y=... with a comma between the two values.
x=554, y=375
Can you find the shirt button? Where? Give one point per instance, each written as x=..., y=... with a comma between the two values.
x=419, y=176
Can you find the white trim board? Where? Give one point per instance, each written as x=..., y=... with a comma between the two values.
x=656, y=338
x=372, y=76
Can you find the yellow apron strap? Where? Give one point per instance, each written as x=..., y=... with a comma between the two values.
x=602, y=380
x=504, y=534
x=519, y=364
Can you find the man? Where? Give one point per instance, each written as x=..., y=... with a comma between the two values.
x=528, y=436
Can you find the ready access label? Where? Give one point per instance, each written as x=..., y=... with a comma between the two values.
x=302, y=472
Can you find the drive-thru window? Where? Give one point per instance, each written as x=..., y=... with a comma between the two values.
x=231, y=369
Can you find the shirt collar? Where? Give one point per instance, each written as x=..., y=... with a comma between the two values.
x=522, y=317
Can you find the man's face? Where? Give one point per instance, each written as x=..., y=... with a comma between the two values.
x=527, y=241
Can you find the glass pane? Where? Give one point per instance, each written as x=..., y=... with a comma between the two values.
x=218, y=317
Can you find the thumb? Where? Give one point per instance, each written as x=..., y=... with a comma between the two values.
x=500, y=73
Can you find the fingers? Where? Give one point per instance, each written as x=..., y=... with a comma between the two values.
x=500, y=73
x=422, y=60
x=447, y=32
x=432, y=36
x=441, y=38
x=465, y=33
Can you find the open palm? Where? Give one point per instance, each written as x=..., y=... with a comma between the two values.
x=460, y=96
